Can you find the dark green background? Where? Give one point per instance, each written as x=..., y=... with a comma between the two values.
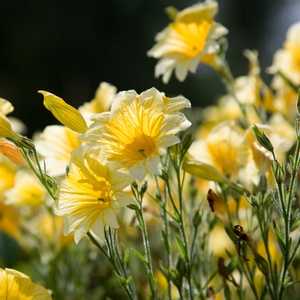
x=68, y=47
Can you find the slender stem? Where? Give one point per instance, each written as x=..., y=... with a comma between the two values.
x=287, y=217
x=110, y=258
x=166, y=237
x=183, y=233
x=146, y=243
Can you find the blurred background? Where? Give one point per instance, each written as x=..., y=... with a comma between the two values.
x=68, y=47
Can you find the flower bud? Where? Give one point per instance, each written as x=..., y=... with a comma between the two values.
x=203, y=170
x=63, y=112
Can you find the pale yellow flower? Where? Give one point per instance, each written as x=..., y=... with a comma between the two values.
x=9, y=127
x=287, y=59
x=15, y=285
x=190, y=39
x=56, y=144
x=91, y=196
x=51, y=229
x=63, y=112
x=224, y=148
x=251, y=89
x=27, y=190
x=5, y=107
x=6, y=129
x=102, y=100
x=138, y=130
x=282, y=136
x=285, y=99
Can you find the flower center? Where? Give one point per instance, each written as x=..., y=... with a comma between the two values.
x=190, y=38
x=224, y=155
x=105, y=193
x=142, y=147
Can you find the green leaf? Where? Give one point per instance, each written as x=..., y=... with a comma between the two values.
x=180, y=247
x=139, y=255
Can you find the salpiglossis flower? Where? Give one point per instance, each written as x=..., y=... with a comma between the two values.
x=224, y=148
x=138, y=130
x=190, y=39
x=102, y=100
x=287, y=59
x=56, y=144
x=16, y=285
x=91, y=196
x=27, y=190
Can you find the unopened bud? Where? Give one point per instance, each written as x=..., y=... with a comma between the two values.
x=63, y=112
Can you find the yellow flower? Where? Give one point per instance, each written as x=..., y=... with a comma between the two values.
x=102, y=100
x=287, y=59
x=218, y=241
x=189, y=39
x=15, y=285
x=56, y=144
x=6, y=128
x=7, y=175
x=91, y=195
x=9, y=127
x=224, y=148
x=26, y=191
x=9, y=221
x=63, y=112
x=138, y=130
x=285, y=99
x=251, y=89
x=51, y=228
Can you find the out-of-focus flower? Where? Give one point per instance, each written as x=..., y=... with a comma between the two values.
x=9, y=127
x=227, y=109
x=285, y=99
x=138, y=130
x=63, y=112
x=11, y=151
x=102, y=100
x=7, y=175
x=51, y=228
x=27, y=190
x=9, y=220
x=56, y=144
x=224, y=148
x=251, y=89
x=91, y=195
x=287, y=59
x=16, y=285
x=191, y=38
x=218, y=241
x=6, y=129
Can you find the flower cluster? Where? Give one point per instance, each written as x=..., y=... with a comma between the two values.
x=208, y=211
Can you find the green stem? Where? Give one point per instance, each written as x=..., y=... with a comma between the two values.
x=146, y=243
x=120, y=272
x=183, y=233
x=166, y=234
